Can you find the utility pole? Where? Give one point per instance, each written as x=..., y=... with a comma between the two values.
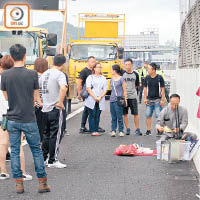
x=64, y=32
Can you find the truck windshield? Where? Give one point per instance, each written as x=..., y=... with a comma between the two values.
x=100, y=52
x=29, y=40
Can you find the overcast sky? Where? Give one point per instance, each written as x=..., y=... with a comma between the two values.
x=140, y=14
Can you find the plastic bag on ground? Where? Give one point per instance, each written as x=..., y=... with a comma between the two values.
x=134, y=150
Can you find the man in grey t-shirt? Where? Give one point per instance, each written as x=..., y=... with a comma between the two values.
x=132, y=81
x=54, y=87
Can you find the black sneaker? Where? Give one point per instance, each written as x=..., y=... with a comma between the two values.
x=8, y=156
x=100, y=130
x=158, y=134
x=84, y=131
x=128, y=131
x=138, y=132
x=148, y=133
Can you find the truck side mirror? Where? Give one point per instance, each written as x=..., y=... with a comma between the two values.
x=51, y=51
x=52, y=39
x=121, y=53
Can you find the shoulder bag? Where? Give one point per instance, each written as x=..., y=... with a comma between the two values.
x=120, y=99
x=84, y=93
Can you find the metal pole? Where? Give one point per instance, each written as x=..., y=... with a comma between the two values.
x=79, y=15
x=64, y=32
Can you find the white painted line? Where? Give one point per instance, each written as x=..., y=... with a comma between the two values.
x=75, y=113
x=198, y=196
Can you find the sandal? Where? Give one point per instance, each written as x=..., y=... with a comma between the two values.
x=95, y=134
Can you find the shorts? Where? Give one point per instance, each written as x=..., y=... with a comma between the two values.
x=151, y=108
x=133, y=105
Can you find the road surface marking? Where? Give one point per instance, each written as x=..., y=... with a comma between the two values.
x=75, y=113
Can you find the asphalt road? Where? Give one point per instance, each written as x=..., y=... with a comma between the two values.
x=94, y=173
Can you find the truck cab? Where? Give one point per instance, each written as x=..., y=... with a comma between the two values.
x=100, y=39
x=36, y=40
x=107, y=53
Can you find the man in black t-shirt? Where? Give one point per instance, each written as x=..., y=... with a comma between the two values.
x=81, y=82
x=20, y=86
x=154, y=94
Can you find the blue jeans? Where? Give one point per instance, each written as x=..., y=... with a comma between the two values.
x=151, y=108
x=33, y=138
x=117, y=116
x=94, y=118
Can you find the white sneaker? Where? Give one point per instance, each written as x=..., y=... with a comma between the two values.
x=57, y=164
x=113, y=134
x=27, y=177
x=121, y=134
x=4, y=176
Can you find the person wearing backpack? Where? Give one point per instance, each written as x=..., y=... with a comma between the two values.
x=154, y=95
x=82, y=86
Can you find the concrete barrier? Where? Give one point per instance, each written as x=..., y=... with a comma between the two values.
x=186, y=83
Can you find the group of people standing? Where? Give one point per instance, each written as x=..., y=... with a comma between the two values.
x=31, y=99
x=32, y=104
x=124, y=85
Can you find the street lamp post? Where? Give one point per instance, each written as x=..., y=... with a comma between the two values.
x=64, y=31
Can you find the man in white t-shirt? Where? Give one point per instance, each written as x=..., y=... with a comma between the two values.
x=54, y=87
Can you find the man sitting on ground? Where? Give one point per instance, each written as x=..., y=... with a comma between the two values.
x=173, y=119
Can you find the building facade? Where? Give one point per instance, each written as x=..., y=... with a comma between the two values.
x=149, y=38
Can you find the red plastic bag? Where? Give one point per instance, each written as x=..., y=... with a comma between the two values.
x=124, y=150
x=132, y=150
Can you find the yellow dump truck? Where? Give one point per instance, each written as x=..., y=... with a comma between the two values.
x=39, y=44
x=36, y=41
x=101, y=39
